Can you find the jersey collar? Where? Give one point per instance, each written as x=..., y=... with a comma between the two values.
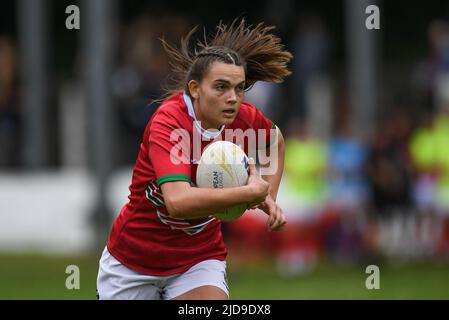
x=210, y=134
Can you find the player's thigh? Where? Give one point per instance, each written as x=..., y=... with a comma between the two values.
x=205, y=280
x=112, y=288
x=117, y=282
x=204, y=293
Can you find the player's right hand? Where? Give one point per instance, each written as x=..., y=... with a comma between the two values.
x=258, y=186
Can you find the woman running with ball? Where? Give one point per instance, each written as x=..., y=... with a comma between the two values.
x=165, y=244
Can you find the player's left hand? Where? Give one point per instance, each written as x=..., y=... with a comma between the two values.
x=276, y=217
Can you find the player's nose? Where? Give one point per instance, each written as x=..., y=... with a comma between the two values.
x=232, y=97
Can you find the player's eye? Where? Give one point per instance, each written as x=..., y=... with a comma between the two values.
x=220, y=87
x=240, y=89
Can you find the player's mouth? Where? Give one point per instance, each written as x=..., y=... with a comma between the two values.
x=229, y=113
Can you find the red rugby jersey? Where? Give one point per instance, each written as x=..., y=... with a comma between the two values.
x=144, y=237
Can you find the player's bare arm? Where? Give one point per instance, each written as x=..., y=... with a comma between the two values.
x=276, y=218
x=186, y=202
x=275, y=179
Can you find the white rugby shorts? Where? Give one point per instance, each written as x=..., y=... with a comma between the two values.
x=117, y=282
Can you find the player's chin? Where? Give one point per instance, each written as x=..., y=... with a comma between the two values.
x=227, y=120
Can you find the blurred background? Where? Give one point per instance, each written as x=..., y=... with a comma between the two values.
x=365, y=116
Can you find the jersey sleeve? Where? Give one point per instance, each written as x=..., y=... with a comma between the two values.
x=260, y=122
x=169, y=150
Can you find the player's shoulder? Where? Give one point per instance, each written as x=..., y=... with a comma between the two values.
x=248, y=112
x=247, y=106
x=172, y=109
x=170, y=115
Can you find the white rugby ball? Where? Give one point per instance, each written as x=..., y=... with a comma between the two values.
x=223, y=164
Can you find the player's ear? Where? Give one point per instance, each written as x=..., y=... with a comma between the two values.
x=194, y=86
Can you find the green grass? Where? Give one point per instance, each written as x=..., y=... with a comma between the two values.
x=330, y=282
x=44, y=277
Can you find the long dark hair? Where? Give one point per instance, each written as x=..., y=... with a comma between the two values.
x=259, y=51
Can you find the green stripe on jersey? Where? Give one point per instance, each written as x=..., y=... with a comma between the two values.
x=171, y=178
x=153, y=199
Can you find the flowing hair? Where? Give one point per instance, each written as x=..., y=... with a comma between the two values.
x=260, y=52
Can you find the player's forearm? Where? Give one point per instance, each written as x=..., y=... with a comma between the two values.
x=202, y=202
x=275, y=179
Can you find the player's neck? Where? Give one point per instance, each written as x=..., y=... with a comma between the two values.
x=204, y=123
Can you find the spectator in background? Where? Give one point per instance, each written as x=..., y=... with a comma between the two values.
x=441, y=143
x=348, y=187
x=429, y=144
x=311, y=45
x=347, y=157
x=305, y=171
x=142, y=68
x=10, y=116
x=389, y=173
x=424, y=165
x=303, y=196
x=431, y=75
x=440, y=36
x=389, y=166
x=425, y=154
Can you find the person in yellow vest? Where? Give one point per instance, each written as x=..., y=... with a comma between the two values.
x=429, y=149
x=303, y=196
x=441, y=141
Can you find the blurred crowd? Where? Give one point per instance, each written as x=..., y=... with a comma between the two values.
x=346, y=198
x=10, y=115
x=351, y=199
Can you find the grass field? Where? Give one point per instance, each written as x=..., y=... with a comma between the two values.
x=44, y=277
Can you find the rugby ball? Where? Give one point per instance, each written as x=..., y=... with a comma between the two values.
x=223, y=164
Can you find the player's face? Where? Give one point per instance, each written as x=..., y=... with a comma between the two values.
x=217, y=98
